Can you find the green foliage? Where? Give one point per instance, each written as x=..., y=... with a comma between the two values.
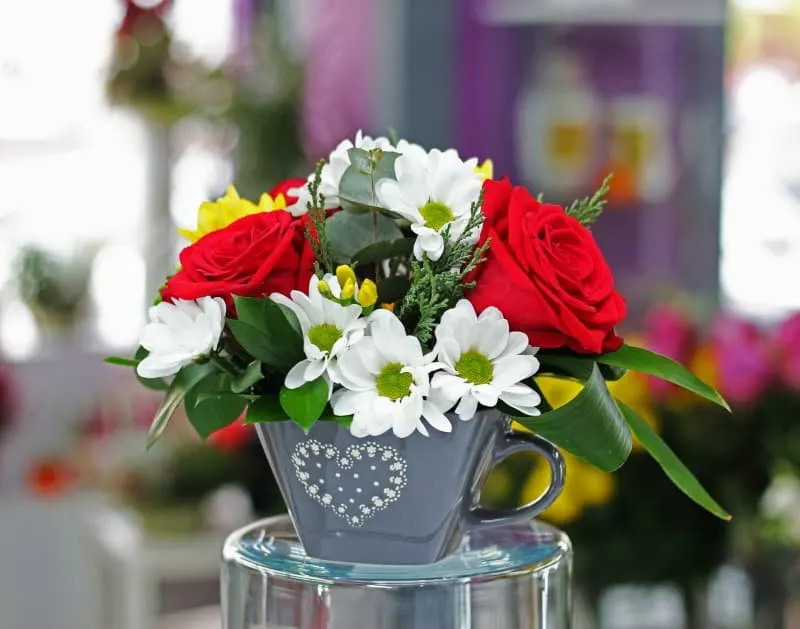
x=251, y=376
x=185, y=380
x=266, y=408
x=352, y=234
x=210, y=406
x=357, y=187
x=305, y=404
x=316, y=232
x=589, y=209
x=264, y=330
x=437, y=286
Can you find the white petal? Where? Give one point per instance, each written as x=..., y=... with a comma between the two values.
x=486, y=394
x=295, y=378
x=451, y=386
x=406, y=420
x=157, y=337
x=435, y=417
x=314, y=370
x=155, y=366
x=344, y=402
x=467, y=407
x=492, y=338
x=517, y=343
x=513, y=369
x=421, y=429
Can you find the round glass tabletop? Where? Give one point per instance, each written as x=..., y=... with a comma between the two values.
x=271, y=546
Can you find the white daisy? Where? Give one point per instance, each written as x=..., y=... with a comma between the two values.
x=482, y=363
x=432, y=191
x=386, y=379
x=179, y=333
x=328, y=329
x=331, y=175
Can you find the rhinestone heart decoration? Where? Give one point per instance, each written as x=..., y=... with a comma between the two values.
x=354, y=484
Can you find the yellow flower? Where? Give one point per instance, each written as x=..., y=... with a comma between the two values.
x=485, y=170
x=216, y=215
x=632, y=390
x=368, y=293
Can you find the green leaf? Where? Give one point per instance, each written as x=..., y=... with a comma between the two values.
x=393, y=289
x=306, y=404
x=154, y=384
x=276, y=342
x=383, y=250
x=357, y=185
x=349, y=234
x=210, y=412
x=251, y=376
x=265, y=409
x=565, y=365
x=640, y=359
x=385, y=167
x=186, y=379
x=590, y=426
x=677, y=472
x=360, y=160
x=121, y=362
x=251, y=311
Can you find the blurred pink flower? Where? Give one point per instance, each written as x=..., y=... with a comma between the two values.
x=667, y=331
x=743, y=359
x=786, y=343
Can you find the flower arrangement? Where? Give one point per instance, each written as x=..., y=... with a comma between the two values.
x=398, y=294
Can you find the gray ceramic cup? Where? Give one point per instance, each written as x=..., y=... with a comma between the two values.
x=386, y=500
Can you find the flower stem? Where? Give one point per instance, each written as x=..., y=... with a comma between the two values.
x=225, y=365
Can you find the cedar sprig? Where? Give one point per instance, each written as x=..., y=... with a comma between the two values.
x=589, y=209
x=315, y=231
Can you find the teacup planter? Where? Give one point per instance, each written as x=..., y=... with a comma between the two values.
x=396, y=501
x=383, y=323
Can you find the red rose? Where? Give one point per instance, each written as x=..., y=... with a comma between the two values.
x=257, y=255
x=546, y=274
x=284, y=187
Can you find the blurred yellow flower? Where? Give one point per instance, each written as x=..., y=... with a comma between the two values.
x=215, y=215
x=485, y=170
x=704, y=365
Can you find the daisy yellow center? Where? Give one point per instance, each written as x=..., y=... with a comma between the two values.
x=436, y=214
x=474, y=367
x=393, y=383
x=324, y=336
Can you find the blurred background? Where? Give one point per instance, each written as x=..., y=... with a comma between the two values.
x=118, y=117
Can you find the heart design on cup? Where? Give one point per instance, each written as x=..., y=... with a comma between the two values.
x=354, y=484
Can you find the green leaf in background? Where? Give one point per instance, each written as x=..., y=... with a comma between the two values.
x=393, y=289
x=271, y=337
x=677, y=472
x=185, y=380
x=265, y=409
x=120, y=361
x=349, y=234
x=154, y=384
x=645, y=361
x=249, y=377
x=590, y=426
x=383, y=250
x=305, y=404
x=210, y=412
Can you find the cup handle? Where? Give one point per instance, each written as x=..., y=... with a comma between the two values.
x=511, y=442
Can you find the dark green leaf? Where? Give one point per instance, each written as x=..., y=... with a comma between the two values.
x=185, y=380
x=344, y=422
x=247, y=379
x=612, y=374
x=640, y=359
x=565, y=365
x=393, y=289
x=305, y=404
x=154, y=384
x=211, y=412
x=250, y=311
x=253, y=341
x=350, y=233
x=590, y=426
x=283, y=330
x=677, y=472
x=277, y=343
x=121, y=362
x=383, y=250
x=265, y=409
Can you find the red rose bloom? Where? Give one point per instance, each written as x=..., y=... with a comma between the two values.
x=257, y=255
x=283, y=188
x=546, y=274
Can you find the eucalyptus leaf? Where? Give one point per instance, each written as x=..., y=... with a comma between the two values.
x=185, y=380
x=360, y=160
x=248, y=378
x=645, y=361
x=349, y=234
x=305, y=404
x=677, y=472
x=383, y=250
x=265, y=409
x=590, y=426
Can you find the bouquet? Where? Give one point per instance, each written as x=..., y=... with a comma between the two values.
x=381, y=324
